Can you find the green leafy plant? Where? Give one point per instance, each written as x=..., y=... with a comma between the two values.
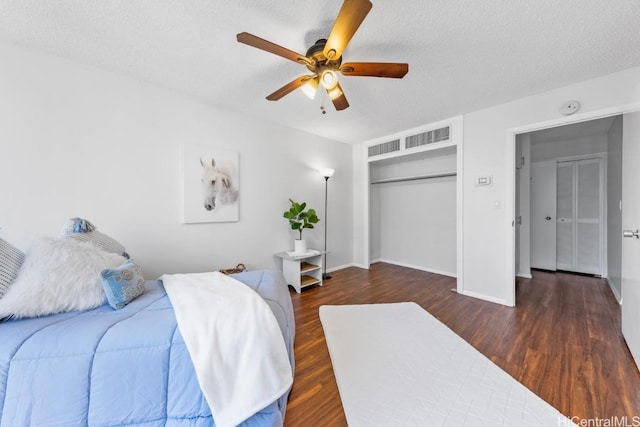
x=299, y=218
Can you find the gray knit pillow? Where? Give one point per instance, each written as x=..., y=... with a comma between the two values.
x=11, y=259
x=84, y=231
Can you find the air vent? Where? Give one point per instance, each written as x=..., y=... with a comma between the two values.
x=384, y=148
x=430, y=137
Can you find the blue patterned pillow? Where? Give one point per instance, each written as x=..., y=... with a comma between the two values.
x=123, y=284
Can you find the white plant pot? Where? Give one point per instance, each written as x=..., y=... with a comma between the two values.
x=299, y=246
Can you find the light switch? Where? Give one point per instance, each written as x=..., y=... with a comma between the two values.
x=484, y=180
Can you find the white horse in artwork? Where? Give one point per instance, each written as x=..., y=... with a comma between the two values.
x=217, y=185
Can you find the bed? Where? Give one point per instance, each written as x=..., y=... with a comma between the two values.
x=126, y=367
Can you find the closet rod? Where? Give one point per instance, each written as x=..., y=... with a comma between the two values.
x=413, y=178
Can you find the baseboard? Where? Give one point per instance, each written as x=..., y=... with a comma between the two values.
x=444, y=273
x=340, y=267
x=614, y=291
x=362, y=266
x=525, y=275
x=417, y=267
x=485, y=297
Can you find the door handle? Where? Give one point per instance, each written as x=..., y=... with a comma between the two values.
x=548, y=218
x=629, y=233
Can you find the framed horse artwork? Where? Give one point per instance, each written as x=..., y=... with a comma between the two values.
x=210, y=184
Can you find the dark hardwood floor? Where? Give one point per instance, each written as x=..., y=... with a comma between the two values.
x=562, y=340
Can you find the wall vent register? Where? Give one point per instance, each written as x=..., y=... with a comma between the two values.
x=384, y=148
x=426, y=140
x=429, y=137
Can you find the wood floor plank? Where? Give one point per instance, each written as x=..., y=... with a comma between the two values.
x=562, y=340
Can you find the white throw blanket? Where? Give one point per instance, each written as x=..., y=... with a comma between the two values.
x=234, y=341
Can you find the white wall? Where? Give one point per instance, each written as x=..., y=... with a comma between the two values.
x=580, y=146
x=614, y=213
x=78, y=141
x=488, y=212
x=487, y=240
x=360, y=206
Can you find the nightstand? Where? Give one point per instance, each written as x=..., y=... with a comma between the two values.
x=301, y=271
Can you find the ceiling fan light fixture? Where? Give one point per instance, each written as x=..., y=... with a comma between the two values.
x=328, y=79
x=310, y=88
x=324, y=58
x=334, y=92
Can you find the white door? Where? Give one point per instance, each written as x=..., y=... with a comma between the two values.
x=543, y=215
x=580, y=210
x=631, y=223
x=566, y=213
x=589, y=213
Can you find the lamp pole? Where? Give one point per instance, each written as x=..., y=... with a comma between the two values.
x=326, y=173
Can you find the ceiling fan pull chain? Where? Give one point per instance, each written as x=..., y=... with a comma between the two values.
x=323, y=98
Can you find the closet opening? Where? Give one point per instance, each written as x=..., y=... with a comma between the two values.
x=413, y=186
x=413, y=211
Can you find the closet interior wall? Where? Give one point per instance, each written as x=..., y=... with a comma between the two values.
x=413, y=218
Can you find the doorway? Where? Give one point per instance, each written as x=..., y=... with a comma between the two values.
x=573, y=176
x=622, y=176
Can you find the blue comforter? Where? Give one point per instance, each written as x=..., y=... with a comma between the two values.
x=126, y=367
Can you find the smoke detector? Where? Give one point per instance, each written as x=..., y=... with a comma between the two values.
x=569, y=107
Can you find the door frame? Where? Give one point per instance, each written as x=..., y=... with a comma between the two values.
x=510, y=163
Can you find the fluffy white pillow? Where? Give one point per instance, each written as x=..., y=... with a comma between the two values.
x=58, y=276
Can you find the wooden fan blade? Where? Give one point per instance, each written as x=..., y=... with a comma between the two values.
x=257, y=42
x=349, y=19
x=375, y=69
x=289, y=87
x=340, y=102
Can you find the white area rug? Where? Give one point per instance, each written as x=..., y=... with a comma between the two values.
x=397, y=365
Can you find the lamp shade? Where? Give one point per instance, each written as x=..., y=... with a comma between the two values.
x=328, y=79
x=310, y=88
x=326, y=172
x=334, y=93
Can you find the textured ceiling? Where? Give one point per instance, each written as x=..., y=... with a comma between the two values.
x=463, y=55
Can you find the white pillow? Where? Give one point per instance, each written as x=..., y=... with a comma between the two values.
x=58, y=276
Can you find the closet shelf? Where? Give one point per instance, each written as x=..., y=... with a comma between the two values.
x=414, y=178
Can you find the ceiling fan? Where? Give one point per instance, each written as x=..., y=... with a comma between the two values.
x=324, y=58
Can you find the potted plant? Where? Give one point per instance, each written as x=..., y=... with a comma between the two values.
x=300, y=218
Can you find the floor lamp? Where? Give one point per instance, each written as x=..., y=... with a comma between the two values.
x=326, y=173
